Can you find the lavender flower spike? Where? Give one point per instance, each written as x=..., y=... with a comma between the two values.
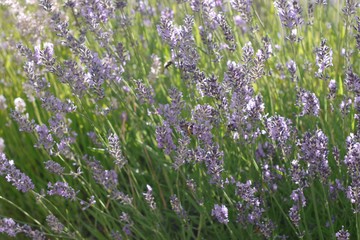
x=342, y=234
x=18, y=179
x=62, y=189
x=309, y=102
x=323, y=56
x=221, y=213
x=149, y=197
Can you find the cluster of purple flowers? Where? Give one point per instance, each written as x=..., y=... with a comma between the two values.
x=308, y=102
x=221, y=213
x=13, y=175
x=352, y=162
x=220, y=107
x=61, y=189
x=12, y=229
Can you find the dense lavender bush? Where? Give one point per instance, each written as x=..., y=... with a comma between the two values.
x=194, y=119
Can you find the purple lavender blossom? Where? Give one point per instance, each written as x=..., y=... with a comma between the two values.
x=298, y=174
x=183, y=152
x=264, y=151
x=13, y=175
x=257, y=70
x=294, y=215
x=45, y=138
x=115, y=150
x=166, y=30
x=125, y=218
x=323, y=56
x=345, y=106
x=350, y=8
x=255, y=108
x=96, y=12
x=122, y=197
x=246, y=192
x=212, y=157
x=309, y=102
x=25, y=125
x=191, y=184
x=195, y=5
x=53, y=104
x=54, y=167
x=342, y=234
x=116, y=235
x=352, y=161
x=332, y=89
x=177, y=208
x=144, y=94
x=335, y=188
x=357, y=104
x=245, y=109
x=182, y=43
x=71, y=70
x=204, y=118
x=54, y=224
x=314, y=151
x=298, y=197
x=267, y=228
x=272, y=175
x=11, y=228
x=229, y=36
x=164, y=138
x=279, y=129
x=250, y=209
x=94, y=138
x=214, y=161
x=86, y=204
x=127, y=229
x=47, y=5
x=221, y=213
x=352, y=81
x=205, y=114
x=357, y=28
x=107, y=178
x=241, y=23
x=291, y=66
x=336, y=154
x=61, y=189
x=243, y=7
x=209, y=14
x=289, y=13
x=147, y=10
x=248, y=54
x=45, y=57
x=208, y=86
x=149, y=197
x=171, y=112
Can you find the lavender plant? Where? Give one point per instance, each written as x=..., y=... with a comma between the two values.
x=191, y=119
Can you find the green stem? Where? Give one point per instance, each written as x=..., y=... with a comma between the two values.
x=286, y=216
x=328, y=212
x=316, y=212
x=307, y=232
x=357, y=226
x=22, y=210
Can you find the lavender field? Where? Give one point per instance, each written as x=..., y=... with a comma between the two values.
x=187, y=119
